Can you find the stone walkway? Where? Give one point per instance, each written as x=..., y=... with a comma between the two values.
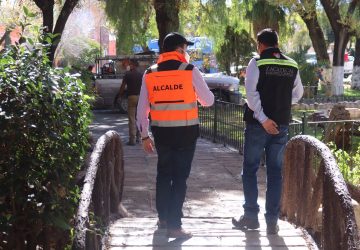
x=214, y=196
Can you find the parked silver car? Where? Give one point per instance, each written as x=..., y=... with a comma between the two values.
x=225, y=88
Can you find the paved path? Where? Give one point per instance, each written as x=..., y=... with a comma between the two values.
x=214, y=196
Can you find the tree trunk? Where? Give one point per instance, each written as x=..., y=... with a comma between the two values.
x=5, y=37
x=47, y=9
x=355, y=80
x=342, y=34
x=341, y=40
x=317, y=36
x=167, y=17
x=60, y=25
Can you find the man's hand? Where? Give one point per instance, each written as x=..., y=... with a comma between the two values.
x=270, y=127
x=148, y=145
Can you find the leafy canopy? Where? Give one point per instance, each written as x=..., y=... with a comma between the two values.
x=133, y=22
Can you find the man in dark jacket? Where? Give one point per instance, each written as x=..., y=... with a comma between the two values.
x=132, y=81
x=272, y=84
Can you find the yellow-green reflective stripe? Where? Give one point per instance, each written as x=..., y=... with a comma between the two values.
x=277, y=62
x=172, y=106
x=175, y=123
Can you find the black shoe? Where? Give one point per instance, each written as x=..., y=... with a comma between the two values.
x=246, y=223
x=131, y=143
x=272, y=228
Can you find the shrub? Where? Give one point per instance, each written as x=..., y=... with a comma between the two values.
x=44, y=118
x=349, y=164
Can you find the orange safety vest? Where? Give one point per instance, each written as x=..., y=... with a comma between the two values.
x=171, y=94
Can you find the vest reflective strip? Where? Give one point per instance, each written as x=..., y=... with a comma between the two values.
x=175, y=123
x=283, y=62
x=154, y=68
x=172, y=106
x=183, y=66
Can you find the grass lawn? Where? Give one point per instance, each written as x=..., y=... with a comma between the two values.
x=298, y=114
x=352, y=92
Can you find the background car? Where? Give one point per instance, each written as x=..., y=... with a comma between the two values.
x=224, y=87
x=108, y=82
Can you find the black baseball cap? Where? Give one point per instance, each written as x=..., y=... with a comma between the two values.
x=173, y=40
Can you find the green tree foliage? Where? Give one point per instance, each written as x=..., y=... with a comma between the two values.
x=132, y=21
x=211, y=18
x=306, y=9
x=326, y=27
x=264, y=15
x=44, y=118
x=83, y=58
x=236, y=48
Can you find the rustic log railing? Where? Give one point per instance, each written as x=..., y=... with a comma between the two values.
x=312, y=180
x=102, y=190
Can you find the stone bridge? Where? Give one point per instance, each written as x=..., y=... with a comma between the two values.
x=214, y=196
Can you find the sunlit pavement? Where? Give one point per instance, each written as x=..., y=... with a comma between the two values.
x=214, y=196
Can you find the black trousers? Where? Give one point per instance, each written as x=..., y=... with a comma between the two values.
x=173, y=169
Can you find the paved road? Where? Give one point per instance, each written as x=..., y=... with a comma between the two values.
x=214, y=196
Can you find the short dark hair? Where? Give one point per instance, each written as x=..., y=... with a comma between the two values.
x=134, y=62
x=268, y=36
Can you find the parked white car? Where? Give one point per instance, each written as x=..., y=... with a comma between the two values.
x=348, y=66
x=222, y=81
x=225, y=88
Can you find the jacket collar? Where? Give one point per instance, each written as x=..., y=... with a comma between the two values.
x=172, y=55
x=270, y=51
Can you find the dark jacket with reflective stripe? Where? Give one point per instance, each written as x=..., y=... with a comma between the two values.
x=277, y=74
x=173, y=136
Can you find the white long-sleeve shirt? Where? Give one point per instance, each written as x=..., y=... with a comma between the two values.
x=203, y=94
x=253, y=96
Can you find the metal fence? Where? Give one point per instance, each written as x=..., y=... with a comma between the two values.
x=342, y=134
x=223, y=123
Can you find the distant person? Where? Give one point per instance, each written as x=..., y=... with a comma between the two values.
x=242, y=75
x=91, y=68
x=89, y=79
x=170, y=91
x=132, y=80
x=319, y=79
x=272, y=84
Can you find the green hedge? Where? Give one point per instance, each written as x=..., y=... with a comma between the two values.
x=44, y=118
